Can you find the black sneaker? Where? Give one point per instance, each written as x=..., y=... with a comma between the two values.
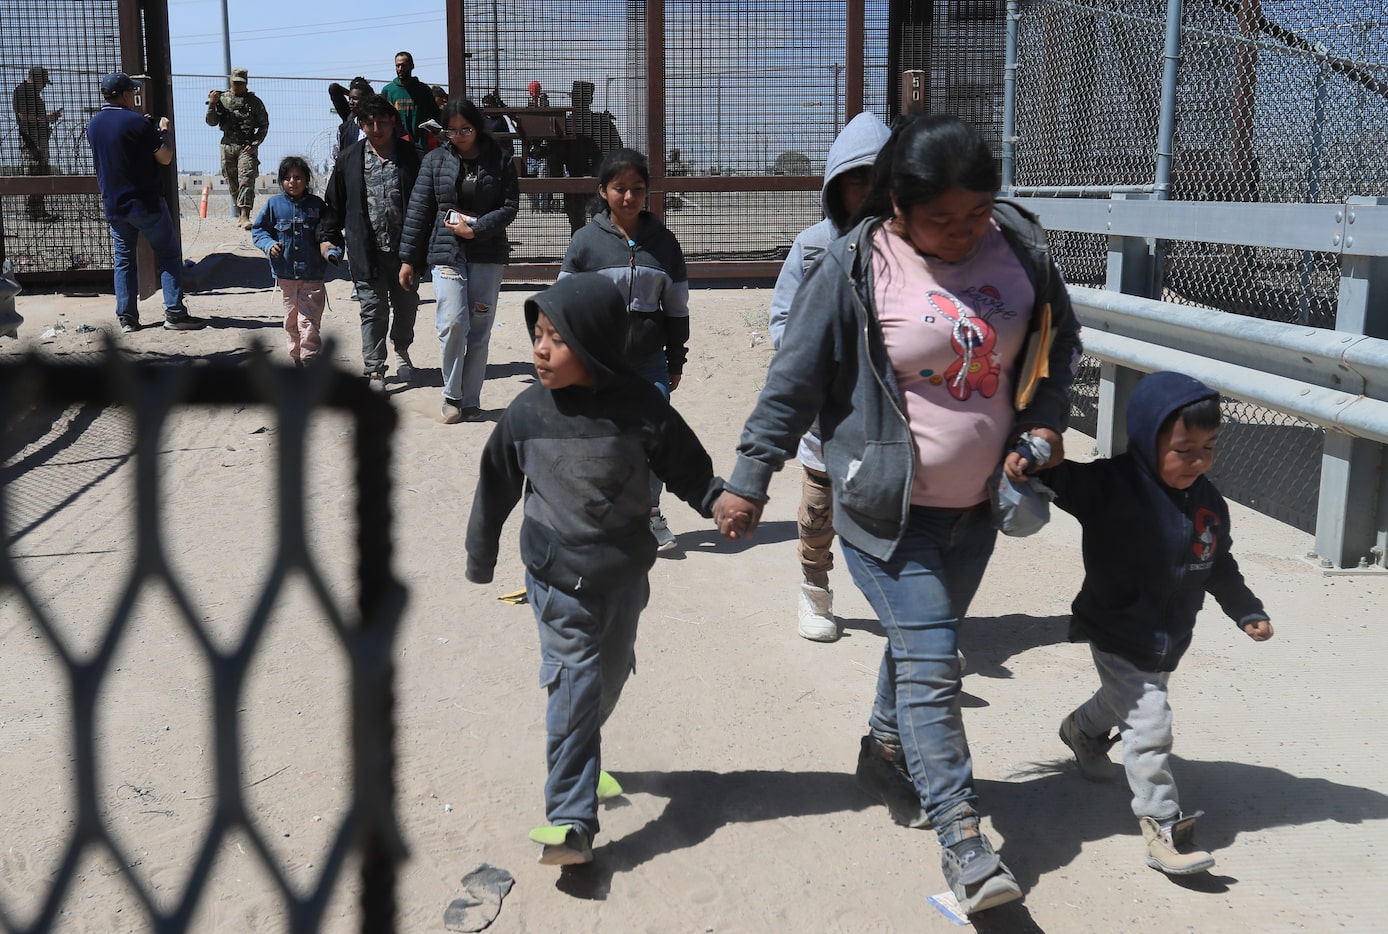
x=184, y=322
x=881, y=773
x=976, y=875
x=129, y=325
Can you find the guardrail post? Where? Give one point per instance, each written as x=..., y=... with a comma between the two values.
x=1352, y=469
x=1134, y=268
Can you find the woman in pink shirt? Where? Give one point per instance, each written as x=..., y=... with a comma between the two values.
x=907, y=346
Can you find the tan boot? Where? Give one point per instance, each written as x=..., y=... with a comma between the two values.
x=244, y=217
x=1162, y=853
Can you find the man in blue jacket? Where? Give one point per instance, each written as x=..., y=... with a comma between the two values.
x=129, y=151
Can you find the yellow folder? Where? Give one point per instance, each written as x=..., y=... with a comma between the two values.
x=1036, y=360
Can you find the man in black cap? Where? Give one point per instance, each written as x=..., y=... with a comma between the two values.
x=129, y=151
x=244, y=123
x=35, y=122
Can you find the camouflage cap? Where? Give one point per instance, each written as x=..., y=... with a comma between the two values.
x=239, y=75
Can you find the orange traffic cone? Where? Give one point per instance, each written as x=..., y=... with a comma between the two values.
x=202, y=208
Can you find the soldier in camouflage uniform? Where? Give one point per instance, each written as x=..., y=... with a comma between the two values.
x=244, y=124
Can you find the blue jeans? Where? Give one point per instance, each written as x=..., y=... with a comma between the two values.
x=466, y=309
x=587, y=651
x=168, y=254
x=921, y=596
x=656, y=370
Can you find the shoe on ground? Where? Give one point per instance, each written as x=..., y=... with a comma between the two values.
x=563, y=845
x=451, y=412
x=354, y=296
x=1163, y=853
x=816, y=606
x=376, y=381
x=128, y=325
x=881, y=774
x=404, y=366
x=608, y=787
x=184, y=322
x=977, y=876
x=243, y=217
x=1091, y=754
x=472, y=413
x=664, y=538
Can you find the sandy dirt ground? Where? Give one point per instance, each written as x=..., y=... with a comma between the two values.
x=735, y=740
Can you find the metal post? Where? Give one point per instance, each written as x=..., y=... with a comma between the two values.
x=1166, y=134
x=1009, y=98
x=1133, y=266
x=1352, y=469
x=226, y=40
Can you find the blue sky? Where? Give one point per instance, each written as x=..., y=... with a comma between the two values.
x=309, y=38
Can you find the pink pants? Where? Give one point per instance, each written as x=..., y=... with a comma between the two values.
x=303, y=315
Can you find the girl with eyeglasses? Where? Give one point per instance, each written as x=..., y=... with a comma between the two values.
x=465, y=198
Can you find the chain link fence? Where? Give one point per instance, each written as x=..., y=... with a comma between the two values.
x=50, y=93
x=1274, y=102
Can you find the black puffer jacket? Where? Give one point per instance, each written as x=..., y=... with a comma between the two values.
x=494, y=204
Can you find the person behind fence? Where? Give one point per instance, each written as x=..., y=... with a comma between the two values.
x=629, y=245
x=1155, y=541
x=35, y=122
x=345, y=102
x=583, y=538
x=501, y=123
x=287, y=231
x=594, y=136
x=413, y=99
x=244, y=122
x=365, y=201
x=466, y=196
x=129, y=151
x=539, y=154
x=905, y=341
x=847, y=177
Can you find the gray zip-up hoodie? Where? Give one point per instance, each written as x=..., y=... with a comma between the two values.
x=856, y=146
x=833, y=364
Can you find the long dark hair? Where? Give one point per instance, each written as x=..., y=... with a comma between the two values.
x=613, y=164
x=924, y=157
x=462, y=107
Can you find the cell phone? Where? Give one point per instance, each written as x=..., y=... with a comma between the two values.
x=452, y=218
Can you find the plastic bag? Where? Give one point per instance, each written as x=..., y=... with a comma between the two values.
x=1021, y=509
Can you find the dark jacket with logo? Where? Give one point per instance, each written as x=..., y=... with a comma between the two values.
x=1151, y=552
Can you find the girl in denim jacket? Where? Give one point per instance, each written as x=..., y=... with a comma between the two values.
x=287, y=231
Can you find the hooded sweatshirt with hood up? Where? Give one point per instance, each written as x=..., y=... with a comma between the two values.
x=582, y=456
x=856, y=147
x=1151, y=552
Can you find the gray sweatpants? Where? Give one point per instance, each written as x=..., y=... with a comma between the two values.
x=1135, y=702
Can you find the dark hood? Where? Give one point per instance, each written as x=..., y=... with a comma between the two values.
x=1155, y=398
x=587, y=310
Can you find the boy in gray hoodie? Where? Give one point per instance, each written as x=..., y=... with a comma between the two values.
x=580, y=445
x=847, y=178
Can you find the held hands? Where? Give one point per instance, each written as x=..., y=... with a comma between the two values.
x=736, y=516
x=1016, y=467
x=1260, y=630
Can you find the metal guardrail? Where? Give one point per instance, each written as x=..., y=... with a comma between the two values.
x=1334, y=378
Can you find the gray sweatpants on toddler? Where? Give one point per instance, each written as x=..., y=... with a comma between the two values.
x=1135, y=702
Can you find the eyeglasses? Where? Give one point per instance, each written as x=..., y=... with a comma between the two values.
x=465, y=131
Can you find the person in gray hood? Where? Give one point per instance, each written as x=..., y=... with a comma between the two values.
x=847, y=176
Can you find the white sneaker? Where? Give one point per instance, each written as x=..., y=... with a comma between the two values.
x=817, y=614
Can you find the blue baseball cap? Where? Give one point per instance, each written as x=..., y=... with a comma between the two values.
x=118, y=83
